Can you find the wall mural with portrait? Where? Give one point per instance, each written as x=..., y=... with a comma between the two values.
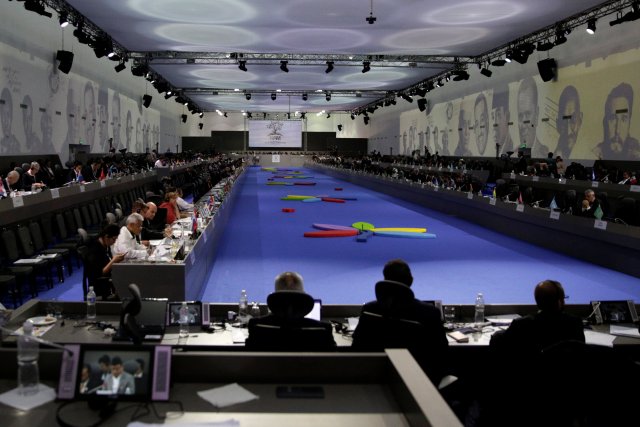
x=585, y=114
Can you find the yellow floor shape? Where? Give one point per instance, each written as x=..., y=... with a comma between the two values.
x=403, y=229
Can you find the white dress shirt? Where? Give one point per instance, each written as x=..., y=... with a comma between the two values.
x=128, y=243
x=183, y=205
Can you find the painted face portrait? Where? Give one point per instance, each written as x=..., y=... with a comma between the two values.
x=72, y=116
x=6, y=112
x=115, y=117
x=618, y=121
x=128, y=130
x=102, y=144
x=481, y=119
x=46, y=127
x=463, y=133
x=527, y=112
x=139, y=146
x=89, y=114
x=568, y=122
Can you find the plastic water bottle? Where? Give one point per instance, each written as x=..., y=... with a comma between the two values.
x=243, y=306
x=479, y=315
x=91, y=304
x=184, y=320
x=28, y=374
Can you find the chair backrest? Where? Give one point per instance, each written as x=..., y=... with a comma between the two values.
x=36, y=236
x=69, y=222
x=290, y=304
x=10, y=245
x=393, y=296
x=77, y=218
x=46, y=226
x=24, y=236
x=62, y=226
x=110, y=217
x=268, y=337
x=86, y=218
x=84, y=236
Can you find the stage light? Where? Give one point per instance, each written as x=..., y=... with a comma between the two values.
x=353, y=117
x=37, y=7
x=248, y=96
x=544, y=46
x=406, y=97
x=421, y=91
x=289, y=116
x=65, y=59
x=184, y=118
x=120, y=67
x=242, y=65
x=283, y=66
x=366, y=66
x=498, y=62
x=329, y=67
x=63, y=20
x=273, y=96
x=305, y=96
x=328, y=115
x=328, y=97
x=146, y=100
x=366, y=120
x=422, y=104
x=249, y=115
x=460, y=75
x=486, y=72
x=303, y=115
x=201, y=114
x=224, y=114
x=508, y=56
x=139, y=70
x=591, y=26
x=561, y=37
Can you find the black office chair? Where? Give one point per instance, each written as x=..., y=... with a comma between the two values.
x=9, y=286
x=626, y=212
x=286, y=329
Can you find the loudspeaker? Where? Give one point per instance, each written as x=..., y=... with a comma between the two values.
x=200, y=125
x=548, y=69
x=339, y=127
x=205, y=314
x=422, y=104
x=184, y=118
x=146, y=100
x=66, y=60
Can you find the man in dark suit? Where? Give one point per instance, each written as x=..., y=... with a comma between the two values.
x=120, y=381
x=397, y=310
x=286, y=328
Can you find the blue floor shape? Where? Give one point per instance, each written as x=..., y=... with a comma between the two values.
x=261, y=241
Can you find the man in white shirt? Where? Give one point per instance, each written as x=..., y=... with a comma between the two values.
x=128, y=241
x=120, y=381
x=182, y=204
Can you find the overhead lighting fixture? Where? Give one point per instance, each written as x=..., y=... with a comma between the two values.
x=544, y=46
x=499, y=62
x=224, y=114
x=249, y=115
x=370, y=19
x=328, y=97
x=37, y=7
x=63, y=19
x=273, y=96
x=421, y=91
x=561, y=36
x=305, y=96
x=303, y=115
x=242, y=65
x=632, y=15
x=339, y=128
x=366, y=120
x=201, y=114
x=328, y=115
x=283, y=66
x=459, y=75
x=406, y=97
x=591, y=26
x=120, y=67
x=508, y=56
x=486, y=72
x=366, y=66
x=329, y=67
x=353, y=117
x=247, y=96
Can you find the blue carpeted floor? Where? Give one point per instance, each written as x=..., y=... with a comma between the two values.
x=262, y=241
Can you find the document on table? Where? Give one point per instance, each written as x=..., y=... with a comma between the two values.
x=627, y=331
x=598, y=338
x=227, y=395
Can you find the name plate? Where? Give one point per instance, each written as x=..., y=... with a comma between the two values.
x=492, y=202
x=82, y=188
x=512, y=175
x=595, y=184
x=536, y=178
x=554, y=215
x=18, y=201
x=635, y=188
x=562, y=181
x=103, y=183
x=520, y=208
x=470, y=196
x=600, y=225
x=55, y=193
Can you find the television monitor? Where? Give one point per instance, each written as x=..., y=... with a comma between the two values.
x=315, y=311
x=195, y=313
x=115, y=372
x=614, y=311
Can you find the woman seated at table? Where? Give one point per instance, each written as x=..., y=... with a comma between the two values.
x=171, y=205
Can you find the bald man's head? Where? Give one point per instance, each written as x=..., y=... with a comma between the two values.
x=549, y=296
x=151, y=210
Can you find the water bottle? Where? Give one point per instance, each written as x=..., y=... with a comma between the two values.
x=28, y=374
x=479, y=315
x=91, y=304
x=243, y=306
x=184, y=320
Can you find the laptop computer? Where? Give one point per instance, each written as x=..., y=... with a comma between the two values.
x=315, y=312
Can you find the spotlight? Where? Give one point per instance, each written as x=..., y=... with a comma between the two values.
x=273, y=96
x=508, y=56
x=422, y=104
x=283, y=66
x=329, y=67
x=224, y=114
x=632, y=15
x=486, y=72
x=242, y=65
x=328, y=115
x=201, y=114
x=328, y=97
x=288, y=116
x=544, y=46
x=366, y=66
x=561, y=37
x=119, y=67
x=200, y=125
x=146, y=100
x=305, y=96
x=184, y=118
x=249, y=115
x=303, y=115
x=499, y=62
x=248, y=96
x=339, y=128
x=459, y=75
x=406, y=97
x=353, y=117
x=370, y=19
x=64, y=19
x=591, y=26
x=421, y=91
x=366, y=120
x=66, y=60
x=139, y=70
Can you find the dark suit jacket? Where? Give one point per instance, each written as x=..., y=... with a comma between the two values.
x=273, y=333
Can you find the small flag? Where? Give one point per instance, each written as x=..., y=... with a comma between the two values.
x=553, y=205
x=598, y=212
x=520, y=198
x=102, y=177
x=494, y=192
